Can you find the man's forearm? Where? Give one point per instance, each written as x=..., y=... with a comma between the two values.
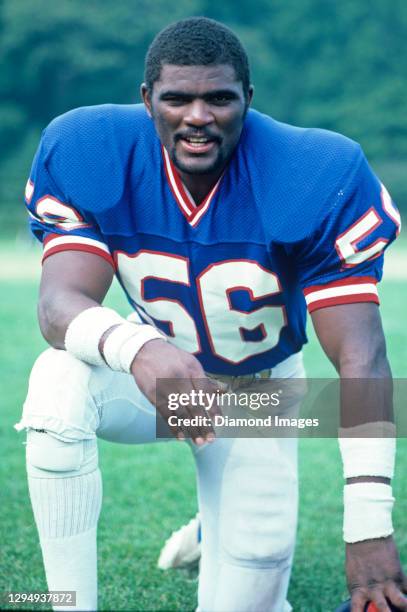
x=71, y=282
x=366, y=390
x=367, y=444
x=56, y=312
x=354, y=341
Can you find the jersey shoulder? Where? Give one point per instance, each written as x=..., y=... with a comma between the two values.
x=298, y=173
x=297, y=150
x=87, y=151
x=86, y=123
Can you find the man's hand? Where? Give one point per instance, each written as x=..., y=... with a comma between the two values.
x=158, y=359
x=374, y=574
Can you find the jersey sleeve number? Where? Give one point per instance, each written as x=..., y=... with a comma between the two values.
x=225, y=325
x=347, y=243
x=50, y=210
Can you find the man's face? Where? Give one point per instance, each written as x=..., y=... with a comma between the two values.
x=198, y=112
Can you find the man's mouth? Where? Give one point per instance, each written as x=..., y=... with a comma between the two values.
x=197, y=144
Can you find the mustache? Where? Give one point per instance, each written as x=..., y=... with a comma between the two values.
x=197, y=134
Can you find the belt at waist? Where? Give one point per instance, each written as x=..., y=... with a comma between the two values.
x=237, y=382
x=286, y=368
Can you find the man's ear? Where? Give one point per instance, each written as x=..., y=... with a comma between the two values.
x=248, y=100
x=250, y=94
x=145, y=95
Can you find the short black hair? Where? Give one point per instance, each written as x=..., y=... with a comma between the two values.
x=196, y=41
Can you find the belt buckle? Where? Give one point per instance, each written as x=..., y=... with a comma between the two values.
x=244, y=380
x=263, y=374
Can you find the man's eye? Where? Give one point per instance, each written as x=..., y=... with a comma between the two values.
x=221, y=99
x=175, y=101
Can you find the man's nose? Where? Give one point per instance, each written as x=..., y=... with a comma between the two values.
x=198, y=113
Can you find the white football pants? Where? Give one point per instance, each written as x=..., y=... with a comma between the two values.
x=247, y=487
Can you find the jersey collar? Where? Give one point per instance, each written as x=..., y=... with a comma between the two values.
x=189, y=209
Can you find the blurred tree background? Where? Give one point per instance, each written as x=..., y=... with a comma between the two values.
x=336, y=65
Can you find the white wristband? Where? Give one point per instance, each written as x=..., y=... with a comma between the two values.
x=124, y=342
x=367, y=511
x=85, y=331
x=368, y=449
x=83, y=336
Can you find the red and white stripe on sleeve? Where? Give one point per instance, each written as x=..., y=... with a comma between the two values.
x=344, y=291
x=55, y=243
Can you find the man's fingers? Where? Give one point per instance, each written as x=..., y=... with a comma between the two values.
x=358, y=602
x=396, y=597
x=171, y=418
x=195, y=424
x=192, y=404
x=196, y=432
x=205, y=405
x=200, y=409
x=176, y=432
x=203, y=426
x=184, y=432
x=211, y=392
x=378, y=599
x=186, y=429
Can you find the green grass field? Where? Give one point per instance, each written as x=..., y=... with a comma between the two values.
x=148, y=491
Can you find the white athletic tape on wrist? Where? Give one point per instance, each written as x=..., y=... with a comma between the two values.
x=85, y=331
x=124, y=342
x=368, y=456
x=121, y=346
x=367, y=511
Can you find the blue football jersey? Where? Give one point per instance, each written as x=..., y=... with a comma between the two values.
x=298, y=219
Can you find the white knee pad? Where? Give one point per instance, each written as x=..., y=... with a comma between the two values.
x=259, y=504
x=58, y=398
x=49, y=457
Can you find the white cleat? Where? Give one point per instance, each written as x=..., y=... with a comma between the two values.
x=182, y=550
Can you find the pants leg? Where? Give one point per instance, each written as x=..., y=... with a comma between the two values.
x=70, y=403
x=248, y=505
x=248, y=497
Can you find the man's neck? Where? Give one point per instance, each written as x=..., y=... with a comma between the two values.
x=199, y=185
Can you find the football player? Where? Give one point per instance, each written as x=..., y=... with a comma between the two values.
x=222, y=226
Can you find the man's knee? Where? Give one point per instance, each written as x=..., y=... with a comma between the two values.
x=50, y=457
x=58, y=398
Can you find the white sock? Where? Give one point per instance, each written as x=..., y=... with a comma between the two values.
x=66, y=512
